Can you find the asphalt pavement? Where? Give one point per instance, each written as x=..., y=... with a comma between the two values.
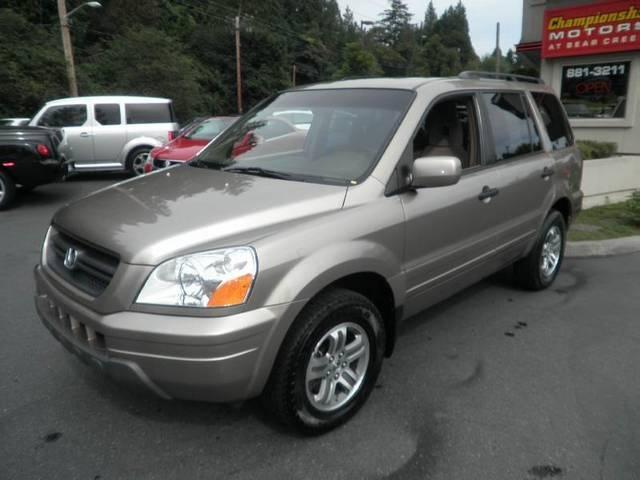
x=495, y=383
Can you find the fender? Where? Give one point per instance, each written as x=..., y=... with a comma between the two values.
x=315, y=272
x=310, y=276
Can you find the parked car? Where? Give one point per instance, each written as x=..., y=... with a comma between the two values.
x=14, y=122
x=273, y=133
x=29, y=156
x=285, y=272
x=111, y=133
x=188, y=144
x=299, y=118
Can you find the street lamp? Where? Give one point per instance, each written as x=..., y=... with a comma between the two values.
x=66, y=41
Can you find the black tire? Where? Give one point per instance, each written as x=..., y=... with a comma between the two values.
x=529, y=272
x=7, y=190
x=285, y=395
x=133, y=166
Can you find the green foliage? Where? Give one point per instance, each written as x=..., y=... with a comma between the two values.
x=633, y=207
x=430, y=21
x=453, y=29
x=358, y=62
x=145, y=61
x=509, y=63
x=394, y=22
x=590, y=149
x=185, y=49
x=31, y=66
x=606, y=221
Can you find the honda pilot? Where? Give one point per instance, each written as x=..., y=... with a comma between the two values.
x=282, y=265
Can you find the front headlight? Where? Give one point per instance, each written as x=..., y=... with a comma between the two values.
x=217, y=278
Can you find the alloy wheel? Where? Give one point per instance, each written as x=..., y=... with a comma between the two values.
x=551, y=251
x=337, y=367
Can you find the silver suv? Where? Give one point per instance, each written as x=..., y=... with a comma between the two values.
x=282, y=265
x=110, y=133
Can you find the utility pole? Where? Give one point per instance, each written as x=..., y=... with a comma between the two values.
x=293, y=75
x=66, y=45
x=238, y=72
x=498, y=52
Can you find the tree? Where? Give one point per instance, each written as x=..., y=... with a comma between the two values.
x=185, y=49
x=358, y=62
x=32, y=67
x=394, y=22
x=453, y=30
x=430, y=20
x=437, y=60
x=136, y=63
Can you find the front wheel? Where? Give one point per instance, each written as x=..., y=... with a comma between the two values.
x=539, y=269
x=137, y=160
x=328, y=363
x=7, y=190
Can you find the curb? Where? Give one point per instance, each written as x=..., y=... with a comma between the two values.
x=603, y=248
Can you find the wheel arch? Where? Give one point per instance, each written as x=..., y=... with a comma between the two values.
x=136, y=143
x=563, y=205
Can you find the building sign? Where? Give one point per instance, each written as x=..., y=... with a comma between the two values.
x=592, y=29
x=597, y=90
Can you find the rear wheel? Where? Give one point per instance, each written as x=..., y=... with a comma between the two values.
x=328, y=363
x=7, y=190
x=137, y=160
x=539, y=269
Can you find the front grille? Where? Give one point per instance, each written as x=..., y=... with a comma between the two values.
x=93, y=269
x=83, y=333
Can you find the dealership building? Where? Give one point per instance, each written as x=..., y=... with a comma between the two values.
x=589, y=52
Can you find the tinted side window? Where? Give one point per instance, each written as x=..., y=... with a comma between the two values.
x=509, y=124
x=536, y=142
x=107, y=114
x=64, y=116
x=148, y=113
x=554, y=120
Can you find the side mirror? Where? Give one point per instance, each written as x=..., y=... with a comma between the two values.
x=435, y=172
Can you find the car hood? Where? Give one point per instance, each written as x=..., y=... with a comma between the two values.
x=181, y=149
x=185, y=209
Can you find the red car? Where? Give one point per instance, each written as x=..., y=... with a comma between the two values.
x=184, y=147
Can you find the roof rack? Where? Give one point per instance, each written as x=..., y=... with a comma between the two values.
x=510, y=77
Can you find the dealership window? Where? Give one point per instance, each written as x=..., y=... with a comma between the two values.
x=596, y=90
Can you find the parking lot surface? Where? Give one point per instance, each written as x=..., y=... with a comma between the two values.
x=495, y=383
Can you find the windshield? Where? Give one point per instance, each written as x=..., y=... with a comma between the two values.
x=346, y=133
x=207, y=130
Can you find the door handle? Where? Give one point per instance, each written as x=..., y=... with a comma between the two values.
x=488, y=193
x=547, y=172
x=85, y=134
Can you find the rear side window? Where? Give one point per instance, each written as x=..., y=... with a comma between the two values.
x=148, y=113
x=510, y=124
x=107, y=113
x=64, y=116
x=554, y=120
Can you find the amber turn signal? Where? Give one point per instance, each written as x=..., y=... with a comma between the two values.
x=232, y=292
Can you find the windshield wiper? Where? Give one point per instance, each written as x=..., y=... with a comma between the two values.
x=260, y=172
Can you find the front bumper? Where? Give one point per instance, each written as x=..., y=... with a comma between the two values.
x=217, y=359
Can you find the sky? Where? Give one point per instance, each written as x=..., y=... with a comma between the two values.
x=482, y=16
